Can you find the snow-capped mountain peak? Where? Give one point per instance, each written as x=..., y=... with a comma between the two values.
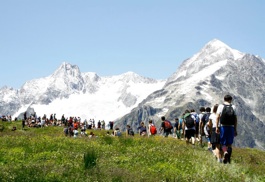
x=214, y=50
x=218, y=48
x=67, y=69
x=214, y=53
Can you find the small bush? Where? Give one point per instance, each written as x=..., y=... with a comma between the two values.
x=90, y=159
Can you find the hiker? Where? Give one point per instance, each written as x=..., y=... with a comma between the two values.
x=177, y=128
x=181, y=127
x=166, y=126
x=42, y=124
x=129, y=131
x=25, y=115
x=90, y=124
x=51, y=118
x=93, y=124
x=151, y=129
x=215, y=137
x=75, y=132
x=76, y=125
x=189, y=124
x=103, y=124
x=99, y=124
x=111, y=123
x=227, y=117
x=197, y=125
x=142, y=129
x=206, y=127
x=201, y=131
x=63, y=119
x=117, y=132
x=70, y=131
x=83, y=130
x=23, y=124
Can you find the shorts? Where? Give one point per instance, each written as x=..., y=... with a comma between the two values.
x=227, y=135
x=189, y=133
x=215, y=137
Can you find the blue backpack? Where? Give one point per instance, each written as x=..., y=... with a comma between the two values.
x=196, y=116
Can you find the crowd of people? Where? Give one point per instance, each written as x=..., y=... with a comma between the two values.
x=6, y=118
x=218, y=126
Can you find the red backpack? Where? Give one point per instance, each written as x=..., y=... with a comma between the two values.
x=153, y=129
x=168, y=125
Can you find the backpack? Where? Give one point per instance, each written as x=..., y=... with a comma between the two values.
x=189, y=121
x=228, y=116
x=205, y=118
x=168, y=125
x=153, y=129
x=196, y=116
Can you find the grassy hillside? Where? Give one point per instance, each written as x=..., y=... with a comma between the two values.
x=45, y=154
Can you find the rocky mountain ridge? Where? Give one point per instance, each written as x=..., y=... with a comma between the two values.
x=203, y=80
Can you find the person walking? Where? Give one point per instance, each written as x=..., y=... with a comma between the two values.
x=215, y=137
x=227, y=117
x=177, y=128
x=151, y=128
x=166, y=126
x=189, y=125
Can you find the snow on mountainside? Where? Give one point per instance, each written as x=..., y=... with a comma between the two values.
x=70, y=92
x=213, y=52
x=203, y=80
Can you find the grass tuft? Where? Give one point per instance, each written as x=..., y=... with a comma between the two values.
x=90, y=159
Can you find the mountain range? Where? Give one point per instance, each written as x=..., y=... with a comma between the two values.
x=86, y=95
x=202, y=80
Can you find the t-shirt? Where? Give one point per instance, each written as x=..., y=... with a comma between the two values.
x=213, y=118
x=176, y=125
x=142, y=129
x=221, y=106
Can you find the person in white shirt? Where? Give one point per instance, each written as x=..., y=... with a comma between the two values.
x=215, y=137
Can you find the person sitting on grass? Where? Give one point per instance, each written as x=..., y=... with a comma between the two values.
x=142, y=129
x=129, y=131
x=117, y=132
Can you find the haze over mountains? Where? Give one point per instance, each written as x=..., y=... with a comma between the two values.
x=202, y=80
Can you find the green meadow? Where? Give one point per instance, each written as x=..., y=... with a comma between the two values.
x=45, y=154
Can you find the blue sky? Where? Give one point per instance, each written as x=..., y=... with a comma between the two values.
x=109, y=37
